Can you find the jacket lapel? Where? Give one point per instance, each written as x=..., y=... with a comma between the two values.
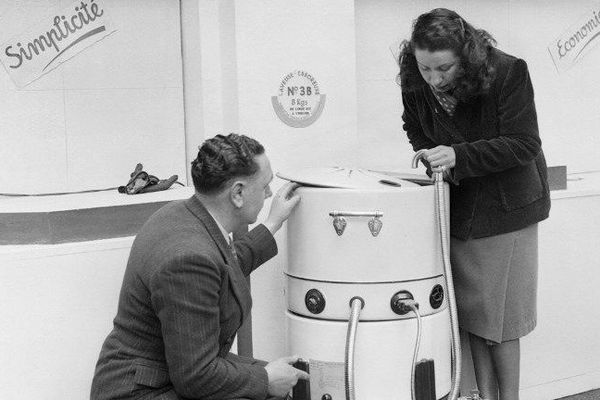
x=237, y=280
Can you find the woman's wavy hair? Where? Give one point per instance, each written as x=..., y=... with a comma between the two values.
x=443, y=29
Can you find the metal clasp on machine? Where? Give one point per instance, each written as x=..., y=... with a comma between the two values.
x=339, y=222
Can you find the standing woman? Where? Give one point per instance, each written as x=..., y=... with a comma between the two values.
x=472, y=107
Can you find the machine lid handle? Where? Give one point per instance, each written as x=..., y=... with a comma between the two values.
x=339, y=222
x=374, y=214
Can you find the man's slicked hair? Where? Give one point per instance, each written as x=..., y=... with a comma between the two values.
x=223, y=158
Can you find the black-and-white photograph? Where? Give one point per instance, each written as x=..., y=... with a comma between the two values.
x=299, y=199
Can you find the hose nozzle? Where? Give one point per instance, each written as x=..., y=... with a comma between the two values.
x=438, y=172
x=418, y=156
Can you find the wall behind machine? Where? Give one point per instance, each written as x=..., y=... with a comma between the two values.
x=82, y=126
x=85, y=124
x=567, y=102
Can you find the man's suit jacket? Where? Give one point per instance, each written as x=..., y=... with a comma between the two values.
x=183, y=298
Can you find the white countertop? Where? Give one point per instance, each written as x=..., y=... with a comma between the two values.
x=578, y=185
x=76, y=201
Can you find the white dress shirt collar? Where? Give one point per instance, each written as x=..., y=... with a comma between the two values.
x=226, y=234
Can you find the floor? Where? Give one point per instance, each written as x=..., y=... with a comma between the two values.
x=591, y=395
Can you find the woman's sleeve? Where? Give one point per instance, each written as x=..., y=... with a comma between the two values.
x=412, y=124
x=518, y=142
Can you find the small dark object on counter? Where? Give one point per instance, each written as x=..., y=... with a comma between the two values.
x=142, y=182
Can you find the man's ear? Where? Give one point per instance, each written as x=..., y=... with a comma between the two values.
x=237, y=193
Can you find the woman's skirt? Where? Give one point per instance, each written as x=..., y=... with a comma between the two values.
x=495, y=280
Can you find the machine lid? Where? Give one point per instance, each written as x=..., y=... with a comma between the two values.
x=346, y=178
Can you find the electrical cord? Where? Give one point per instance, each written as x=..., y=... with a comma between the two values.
x=414, y=308
x=54, y=194
x=64, y=193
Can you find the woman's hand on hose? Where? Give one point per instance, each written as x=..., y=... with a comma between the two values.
x=440, y=156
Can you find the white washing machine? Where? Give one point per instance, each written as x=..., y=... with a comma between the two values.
x=373, y=236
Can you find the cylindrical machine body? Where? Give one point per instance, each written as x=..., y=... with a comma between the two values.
x=329, y=265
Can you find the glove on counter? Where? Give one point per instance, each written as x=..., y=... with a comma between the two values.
x=142, y=182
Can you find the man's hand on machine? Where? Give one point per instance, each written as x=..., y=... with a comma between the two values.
x=282, y=205
x=282, y=376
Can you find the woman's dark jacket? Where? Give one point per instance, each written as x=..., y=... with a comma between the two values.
x=499, y=183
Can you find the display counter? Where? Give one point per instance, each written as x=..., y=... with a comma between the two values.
x=561, y=356
x=62, y=260
x=59, y=289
